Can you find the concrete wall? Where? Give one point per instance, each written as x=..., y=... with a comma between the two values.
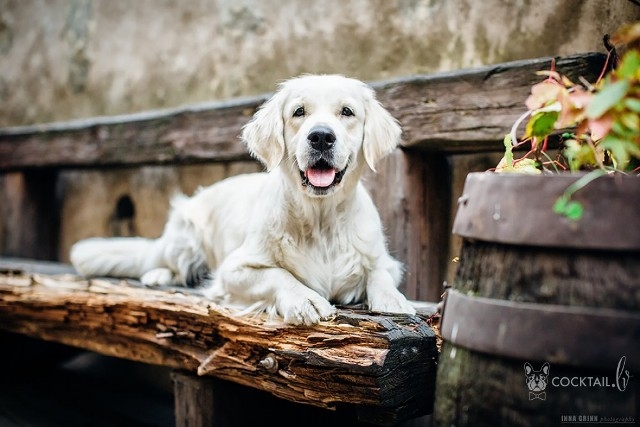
x=64, y=59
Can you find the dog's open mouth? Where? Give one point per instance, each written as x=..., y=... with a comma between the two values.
x=322, y=175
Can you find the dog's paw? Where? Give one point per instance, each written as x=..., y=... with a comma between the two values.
x=159, y=277
x=306, y=308
x=389, y=301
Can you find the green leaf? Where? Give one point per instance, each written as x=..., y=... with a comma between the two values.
x=568, y=208
x=508, y=150
x=621, y=131
x=542, y=124
x=621, y=149
x=633, y=104
x=604, y=100
x=579, y=154
x=629, y=65
x=560, y=205
x=574, y=210
x=631, y=121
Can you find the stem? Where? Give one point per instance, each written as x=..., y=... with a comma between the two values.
x=604, y=69
x=582, y=182
x=514, y=128
x=554, y=163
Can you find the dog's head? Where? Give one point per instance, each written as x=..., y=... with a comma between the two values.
x=536, y=380
x=321, y=129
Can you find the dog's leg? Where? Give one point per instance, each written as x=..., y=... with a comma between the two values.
x=182, y=259
x=160, y=276
x=185, y=266
x=382, y=288
x=274, y=286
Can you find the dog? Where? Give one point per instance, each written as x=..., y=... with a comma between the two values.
x=536, y=380
x=289, y=241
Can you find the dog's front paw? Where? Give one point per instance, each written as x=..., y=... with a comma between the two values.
x=304, y=308
x=389, y=301
x=159, y=277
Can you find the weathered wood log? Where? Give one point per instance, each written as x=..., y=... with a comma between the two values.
x=461, y=111
x=383, y=366
x=471, y=110
x=533, y=287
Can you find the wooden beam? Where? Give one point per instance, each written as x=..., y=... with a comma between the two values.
x=29, y=214
x=382, y=366
x=471, y=110
x=461, y=111
x=189, y=134
x=427, y=184
x=195, y=400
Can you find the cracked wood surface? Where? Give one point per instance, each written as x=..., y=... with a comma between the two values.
x=382, y=364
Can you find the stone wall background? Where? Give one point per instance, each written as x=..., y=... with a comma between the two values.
x=66, y=59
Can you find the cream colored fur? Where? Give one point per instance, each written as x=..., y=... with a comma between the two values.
x=272, y=243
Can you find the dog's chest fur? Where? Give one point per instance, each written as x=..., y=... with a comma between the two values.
x=326, y=254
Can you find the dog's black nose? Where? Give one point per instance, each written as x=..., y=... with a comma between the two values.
x=321, y=138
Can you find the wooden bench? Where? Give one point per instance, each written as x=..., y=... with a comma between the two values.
x=377, y=366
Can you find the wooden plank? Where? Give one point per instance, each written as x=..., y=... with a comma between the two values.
x=29, y=214
x=412, y=193
x=461, y=166
x=222, y=403
x=383, y=366
x=194, y=399
x=471, y=110
x=461, y=111
x=195, y=133
x=429, y=219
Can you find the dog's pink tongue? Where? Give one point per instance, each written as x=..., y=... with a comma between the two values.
x=321, y=177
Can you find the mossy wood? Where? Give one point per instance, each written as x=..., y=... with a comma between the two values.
x=382, y=366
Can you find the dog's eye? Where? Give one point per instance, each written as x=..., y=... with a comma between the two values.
x=299, y=112
x=346, y=111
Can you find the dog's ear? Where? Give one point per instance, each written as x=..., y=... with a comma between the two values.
x=382, y=133
x=545, y=368
x=264, y=134
x=528, y=368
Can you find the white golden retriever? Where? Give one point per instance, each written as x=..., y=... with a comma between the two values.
x=293, y=239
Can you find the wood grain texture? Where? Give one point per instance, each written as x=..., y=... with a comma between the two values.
x=471, y=384
x=471, y=110
x=28, y=214
x=461, y=111
x=186, y=135
x=195, y=400
x=382, y=366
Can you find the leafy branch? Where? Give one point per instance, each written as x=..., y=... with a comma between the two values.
x=603, y=119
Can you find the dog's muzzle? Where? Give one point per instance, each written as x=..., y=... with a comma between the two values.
x=321, y=175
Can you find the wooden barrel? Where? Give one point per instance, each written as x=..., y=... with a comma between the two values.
x=542, y=323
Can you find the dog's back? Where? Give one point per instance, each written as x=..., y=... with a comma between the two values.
x=187, y=246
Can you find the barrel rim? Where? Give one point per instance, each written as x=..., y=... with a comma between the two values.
x=502, y=328
x=518, y=209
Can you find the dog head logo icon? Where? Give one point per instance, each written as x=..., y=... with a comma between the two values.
x=536, y=381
